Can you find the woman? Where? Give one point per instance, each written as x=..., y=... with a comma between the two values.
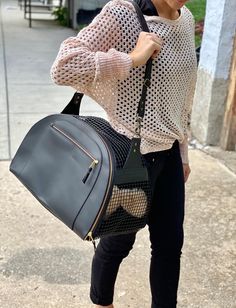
x=107, y=61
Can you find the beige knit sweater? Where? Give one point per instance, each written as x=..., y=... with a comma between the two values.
x=96, y=62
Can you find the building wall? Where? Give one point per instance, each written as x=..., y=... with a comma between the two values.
x=91, y=4
x=88, y=5
x=214, y=68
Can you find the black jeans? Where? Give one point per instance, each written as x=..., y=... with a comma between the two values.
x=165, y=225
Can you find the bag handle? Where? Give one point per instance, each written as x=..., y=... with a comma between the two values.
x=74, y=105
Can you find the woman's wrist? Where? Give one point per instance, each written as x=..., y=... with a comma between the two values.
x=133, y=60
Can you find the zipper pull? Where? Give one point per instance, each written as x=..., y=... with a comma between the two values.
x=90, y=236
x=91, y=167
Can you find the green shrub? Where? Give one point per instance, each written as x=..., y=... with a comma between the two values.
x=62, y=16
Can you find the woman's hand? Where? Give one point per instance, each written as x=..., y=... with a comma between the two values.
x=148, y=45
x=187, y=171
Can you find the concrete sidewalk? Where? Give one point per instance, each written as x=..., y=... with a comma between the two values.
x=42, y=263
x=27, y=93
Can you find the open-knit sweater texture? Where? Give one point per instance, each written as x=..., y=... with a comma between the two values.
x=97, y=63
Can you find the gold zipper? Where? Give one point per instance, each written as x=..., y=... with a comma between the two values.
x=92, y=165
x=89, y=236
x=94, y=160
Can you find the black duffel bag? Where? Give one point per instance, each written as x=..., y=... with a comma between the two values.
x=84, y=172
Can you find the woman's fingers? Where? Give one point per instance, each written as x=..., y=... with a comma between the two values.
x=148, y=45
x=155, y=54
x=158, y=44
x=187, y=171
x=156, y=38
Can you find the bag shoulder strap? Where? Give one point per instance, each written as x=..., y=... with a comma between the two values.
x=74, y=105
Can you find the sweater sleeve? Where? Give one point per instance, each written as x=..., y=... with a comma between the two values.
x=91, y=56
x=190, y=96
x=184, y=145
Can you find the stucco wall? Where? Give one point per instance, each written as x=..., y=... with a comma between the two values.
x=85, y=5
x=214, y=68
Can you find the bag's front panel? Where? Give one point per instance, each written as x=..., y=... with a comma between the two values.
x=95, y=203
x=60, y=179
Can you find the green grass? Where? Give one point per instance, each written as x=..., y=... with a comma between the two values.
x=198, y=9
x=198, y=40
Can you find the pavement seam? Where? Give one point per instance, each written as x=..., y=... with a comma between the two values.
x=221, y=162
x=226, y=168
x=6, y=79
x=195, y=144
